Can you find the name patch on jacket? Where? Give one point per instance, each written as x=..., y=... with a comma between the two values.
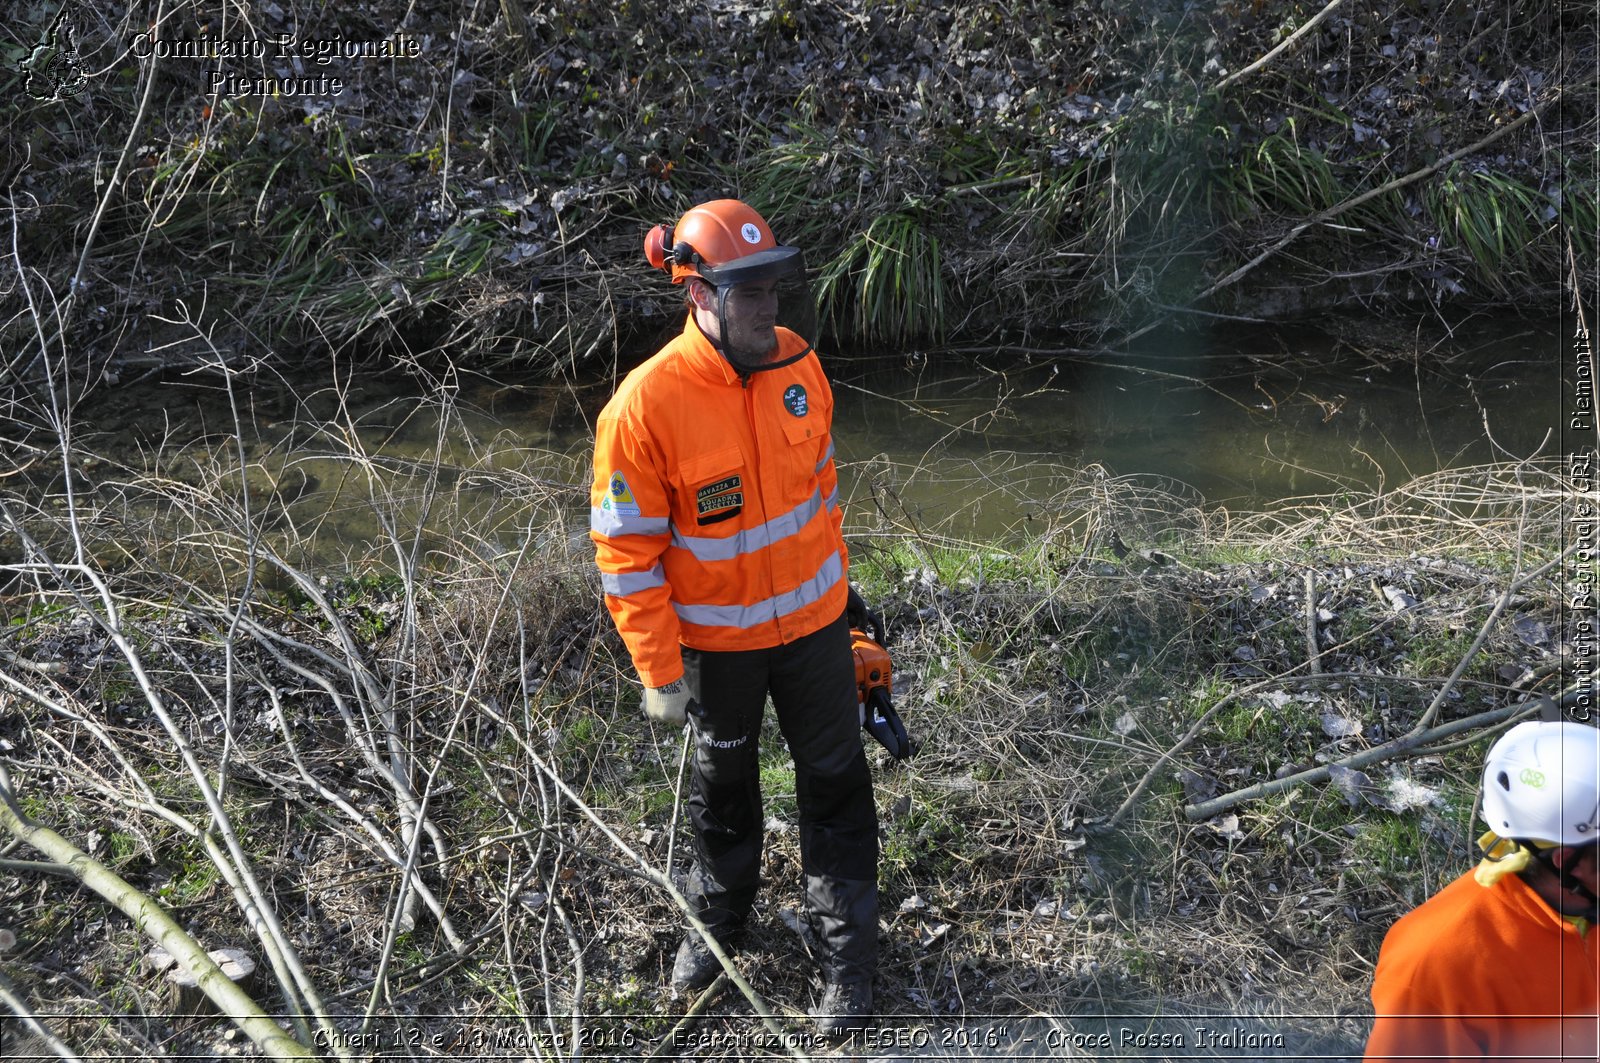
x=721, y=500
x=794, y=400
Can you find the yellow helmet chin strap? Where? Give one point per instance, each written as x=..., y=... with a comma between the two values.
x=1502, y=857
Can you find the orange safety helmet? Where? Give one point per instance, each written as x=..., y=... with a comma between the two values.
x=721, y=242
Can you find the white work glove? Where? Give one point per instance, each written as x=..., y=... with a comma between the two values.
x=670, y=704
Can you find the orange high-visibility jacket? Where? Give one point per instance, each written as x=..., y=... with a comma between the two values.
x=715, y=505
x=1486, y=972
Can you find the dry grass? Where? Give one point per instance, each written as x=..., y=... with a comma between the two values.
x=435, y=764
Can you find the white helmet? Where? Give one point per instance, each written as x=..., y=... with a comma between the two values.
x=1541, y=783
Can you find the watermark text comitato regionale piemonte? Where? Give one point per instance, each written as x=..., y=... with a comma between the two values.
x=282, y=47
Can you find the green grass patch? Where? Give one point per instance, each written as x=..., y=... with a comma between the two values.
x=1395, y=846
x=919, y=846
x=887, y=285
x=778, y=793
x=193, y=879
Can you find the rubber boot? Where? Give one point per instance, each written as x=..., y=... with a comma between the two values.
x=846, y=1008
x=844, y=914
x=695, y=966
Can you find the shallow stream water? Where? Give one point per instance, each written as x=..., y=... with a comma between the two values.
x=1242, y=416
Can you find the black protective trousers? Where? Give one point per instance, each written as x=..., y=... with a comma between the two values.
x=813, y=688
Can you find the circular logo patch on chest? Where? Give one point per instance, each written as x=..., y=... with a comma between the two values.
x=794, y=400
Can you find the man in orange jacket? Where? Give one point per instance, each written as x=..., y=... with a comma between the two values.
x=717, y=529
x=1503, y=963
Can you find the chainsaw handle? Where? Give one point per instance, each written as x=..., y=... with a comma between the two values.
x=872, y=624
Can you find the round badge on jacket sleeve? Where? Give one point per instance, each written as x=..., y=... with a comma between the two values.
x=794, y=400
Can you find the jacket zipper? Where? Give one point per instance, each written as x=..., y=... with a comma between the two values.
x=760, y=491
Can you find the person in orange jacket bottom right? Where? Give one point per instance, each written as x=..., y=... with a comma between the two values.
x=1504, y=962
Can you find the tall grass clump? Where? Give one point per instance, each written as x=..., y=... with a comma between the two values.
x=1502, y=224
x=887, y=285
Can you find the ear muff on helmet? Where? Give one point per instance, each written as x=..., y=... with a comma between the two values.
x=655, y=246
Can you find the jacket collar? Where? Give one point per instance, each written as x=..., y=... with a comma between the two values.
x=703, y=357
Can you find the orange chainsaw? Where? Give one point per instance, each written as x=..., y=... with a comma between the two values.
x=874, y=687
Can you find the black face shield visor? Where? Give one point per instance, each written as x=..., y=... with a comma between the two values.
x=796, y=302
x=773, y=264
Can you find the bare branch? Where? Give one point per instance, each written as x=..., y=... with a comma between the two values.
x=1287, y=43
x=153, y=921
x=1387, y=751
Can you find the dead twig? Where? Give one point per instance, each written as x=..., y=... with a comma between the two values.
x=664, y=1047
x=1204, y=810
x=677, y=796
x=153, y=921
x=1313, y=653
x=1111, y=822
x=1287, y=43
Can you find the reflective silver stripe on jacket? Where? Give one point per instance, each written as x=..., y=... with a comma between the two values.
x=611, y=524
x=751, y=540
x=831, y=503
x=622, y=584
x=748, y=616
x=823, y=464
